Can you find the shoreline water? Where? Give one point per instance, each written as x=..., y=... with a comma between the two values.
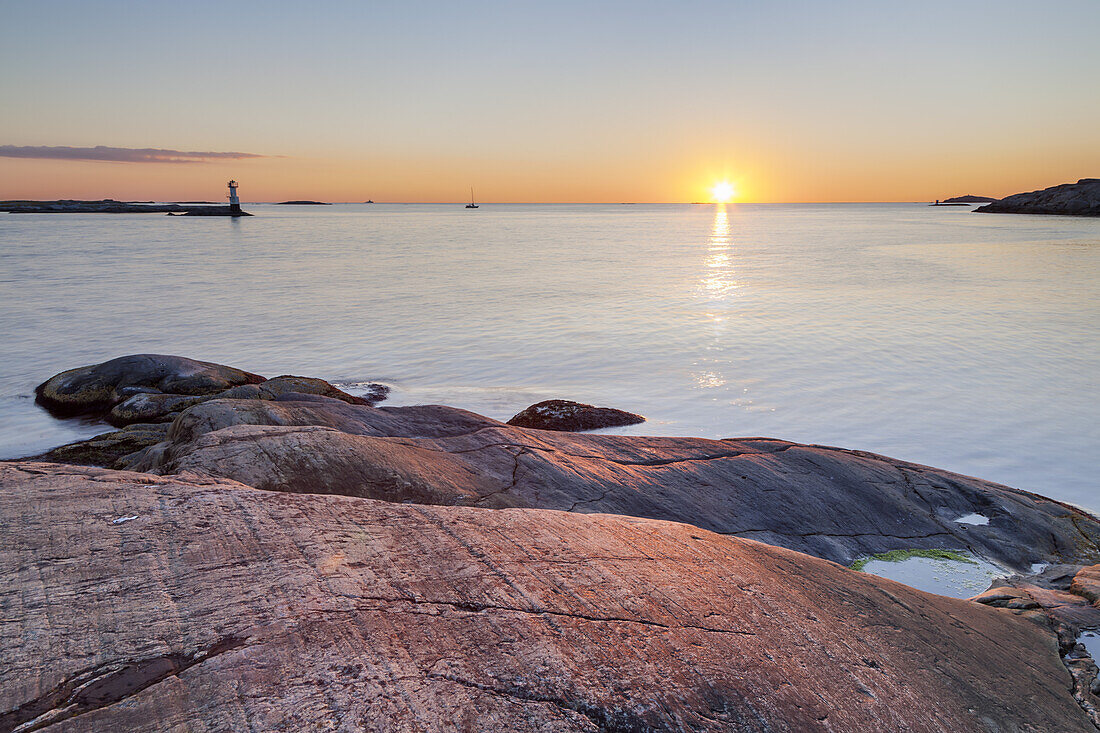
x=915, y=332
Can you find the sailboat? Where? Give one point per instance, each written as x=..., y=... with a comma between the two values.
x=471, y=205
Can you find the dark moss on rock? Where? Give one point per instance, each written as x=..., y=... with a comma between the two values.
x=109, y=449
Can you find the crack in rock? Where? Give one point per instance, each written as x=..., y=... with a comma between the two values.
x=481, y=608
x=104, y=685
x=605, y=720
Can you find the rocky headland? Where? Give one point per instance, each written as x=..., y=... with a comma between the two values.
x=1071, y=199
x=280, y=554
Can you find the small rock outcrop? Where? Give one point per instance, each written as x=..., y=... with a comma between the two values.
x=572, y=417
x=1075, y=199
x=146, y=603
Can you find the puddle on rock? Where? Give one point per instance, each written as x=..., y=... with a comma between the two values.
x=1091, y=639
x=960, y=576
x=977, y=519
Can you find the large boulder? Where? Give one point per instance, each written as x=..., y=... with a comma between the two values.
x=99, y=387
x=1079, y=199
x=144, y=603
x=834, y=503
x=572, y=416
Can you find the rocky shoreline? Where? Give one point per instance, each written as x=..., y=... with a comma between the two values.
x=243, y=542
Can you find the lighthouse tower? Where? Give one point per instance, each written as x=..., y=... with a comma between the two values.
x=234, y=202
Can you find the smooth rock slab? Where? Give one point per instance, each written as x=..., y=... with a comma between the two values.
x=221, y=607
x=829, y=502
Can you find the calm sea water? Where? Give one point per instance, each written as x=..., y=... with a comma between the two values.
x=966, y=341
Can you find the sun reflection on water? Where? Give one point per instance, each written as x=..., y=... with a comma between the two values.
x=718, y=284
x=719, y=279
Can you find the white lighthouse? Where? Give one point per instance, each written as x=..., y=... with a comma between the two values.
x=234, y=202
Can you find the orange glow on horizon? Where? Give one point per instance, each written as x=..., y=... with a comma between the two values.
x=397, y=178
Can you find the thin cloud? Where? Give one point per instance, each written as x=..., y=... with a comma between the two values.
x=117, y=155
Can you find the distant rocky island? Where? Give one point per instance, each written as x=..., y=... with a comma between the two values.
x=304, y=203
x=111, y=206
x=1068, y=199
x=968, y=199
x=278, y=554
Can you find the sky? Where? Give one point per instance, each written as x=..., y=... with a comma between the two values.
x=566, y=101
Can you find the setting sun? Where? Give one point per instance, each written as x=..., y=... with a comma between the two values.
x=722, y=192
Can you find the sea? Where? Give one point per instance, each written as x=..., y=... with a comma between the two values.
x=966, y=341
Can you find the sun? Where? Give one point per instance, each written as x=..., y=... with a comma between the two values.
x=722, y=192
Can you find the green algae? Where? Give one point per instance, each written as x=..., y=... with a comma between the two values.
x=900, y=555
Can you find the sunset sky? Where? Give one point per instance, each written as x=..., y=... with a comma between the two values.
x=562, y=101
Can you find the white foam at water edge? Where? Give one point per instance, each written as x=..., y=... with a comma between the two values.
x=976, y=519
